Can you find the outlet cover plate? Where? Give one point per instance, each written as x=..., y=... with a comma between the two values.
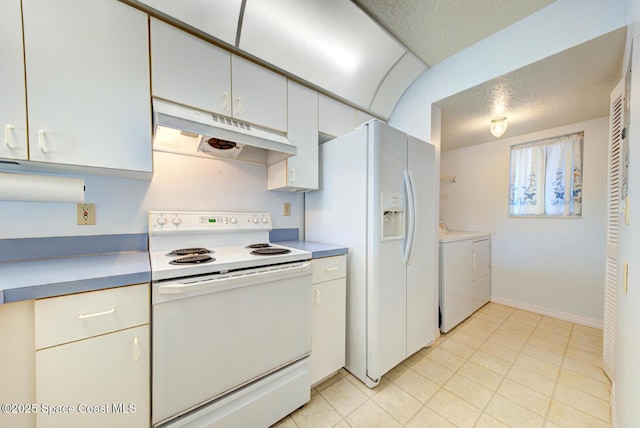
x=86, y=214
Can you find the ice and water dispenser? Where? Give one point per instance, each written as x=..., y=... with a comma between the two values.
x=392, y=216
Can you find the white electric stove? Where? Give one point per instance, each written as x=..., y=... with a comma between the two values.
x=231, y=321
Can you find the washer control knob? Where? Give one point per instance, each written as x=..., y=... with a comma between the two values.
x=264, y=220
x=161, y=221
x=255, y=220
x=233, y=220
x=176, y=221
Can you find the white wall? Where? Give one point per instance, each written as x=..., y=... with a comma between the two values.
x=554, y=266
x=626, y=412
x=179, y=182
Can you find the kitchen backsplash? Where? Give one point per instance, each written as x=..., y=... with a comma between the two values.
x=183, y=183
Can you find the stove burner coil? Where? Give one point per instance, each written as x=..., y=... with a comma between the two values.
x=188, y=251
x=259, y=245
x=192, y=260
x=270, y=251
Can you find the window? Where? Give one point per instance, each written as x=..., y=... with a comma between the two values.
x=546, y=177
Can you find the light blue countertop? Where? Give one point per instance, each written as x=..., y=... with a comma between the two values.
x=48, y=267
x=317, y=249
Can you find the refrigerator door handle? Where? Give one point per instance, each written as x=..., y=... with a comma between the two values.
x=411, y=230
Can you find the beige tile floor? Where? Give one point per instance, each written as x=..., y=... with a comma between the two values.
x=502, y=367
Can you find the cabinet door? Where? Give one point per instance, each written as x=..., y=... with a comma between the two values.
x=300, y=171
x=105, y=379
x=189, y=70
x=259, y=95
x=481, y=258
x=328, y=328
x=13, y=110
x=18, y=362
x=87, y=67
x=335, y=118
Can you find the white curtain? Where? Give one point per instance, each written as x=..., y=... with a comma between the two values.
x=546, y=177
x=527, y=180
x=563, y=194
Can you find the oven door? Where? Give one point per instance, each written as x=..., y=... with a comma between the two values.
x=211, y=337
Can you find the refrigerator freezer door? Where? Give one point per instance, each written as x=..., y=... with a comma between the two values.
x=422, y=267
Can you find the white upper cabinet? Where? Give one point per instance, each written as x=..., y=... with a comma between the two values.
x=335, y=118
x=87, y=67
x=13, y=110
x=332, y=44
x=189, y=70
x=218, y=18
x=193, y=72
x=300, y=172
x=259, y=95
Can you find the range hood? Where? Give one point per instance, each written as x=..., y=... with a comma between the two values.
x=184, y=130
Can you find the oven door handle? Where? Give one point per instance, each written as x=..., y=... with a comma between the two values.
x=243, y=279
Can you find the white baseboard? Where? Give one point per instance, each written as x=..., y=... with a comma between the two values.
x=590, y=322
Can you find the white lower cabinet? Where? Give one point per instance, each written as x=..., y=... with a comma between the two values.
x=328, y=319
x=92, y=359
x=17, y=381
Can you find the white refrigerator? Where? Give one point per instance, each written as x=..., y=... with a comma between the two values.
x=377, y=197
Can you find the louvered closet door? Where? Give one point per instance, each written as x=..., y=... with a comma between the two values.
x=613, y=215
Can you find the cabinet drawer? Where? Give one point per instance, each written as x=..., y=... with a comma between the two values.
x=78, y=316
x=328, y=268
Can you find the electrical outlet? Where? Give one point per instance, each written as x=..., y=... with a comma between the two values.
x=286, y=209
x=86, y=213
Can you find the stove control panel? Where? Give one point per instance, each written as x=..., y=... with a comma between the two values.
x=161, y=222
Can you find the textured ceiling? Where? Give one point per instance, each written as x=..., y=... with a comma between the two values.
x=436, y=29
x=569, y=87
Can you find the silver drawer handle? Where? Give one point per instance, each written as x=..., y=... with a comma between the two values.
x=97, y=314
x=331, y=269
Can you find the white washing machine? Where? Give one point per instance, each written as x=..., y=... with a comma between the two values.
x=465, y=275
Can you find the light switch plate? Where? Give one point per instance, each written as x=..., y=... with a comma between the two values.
x=286, y=209
x=86, y=214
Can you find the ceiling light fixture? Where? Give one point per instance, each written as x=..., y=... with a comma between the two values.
x=498, y=126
